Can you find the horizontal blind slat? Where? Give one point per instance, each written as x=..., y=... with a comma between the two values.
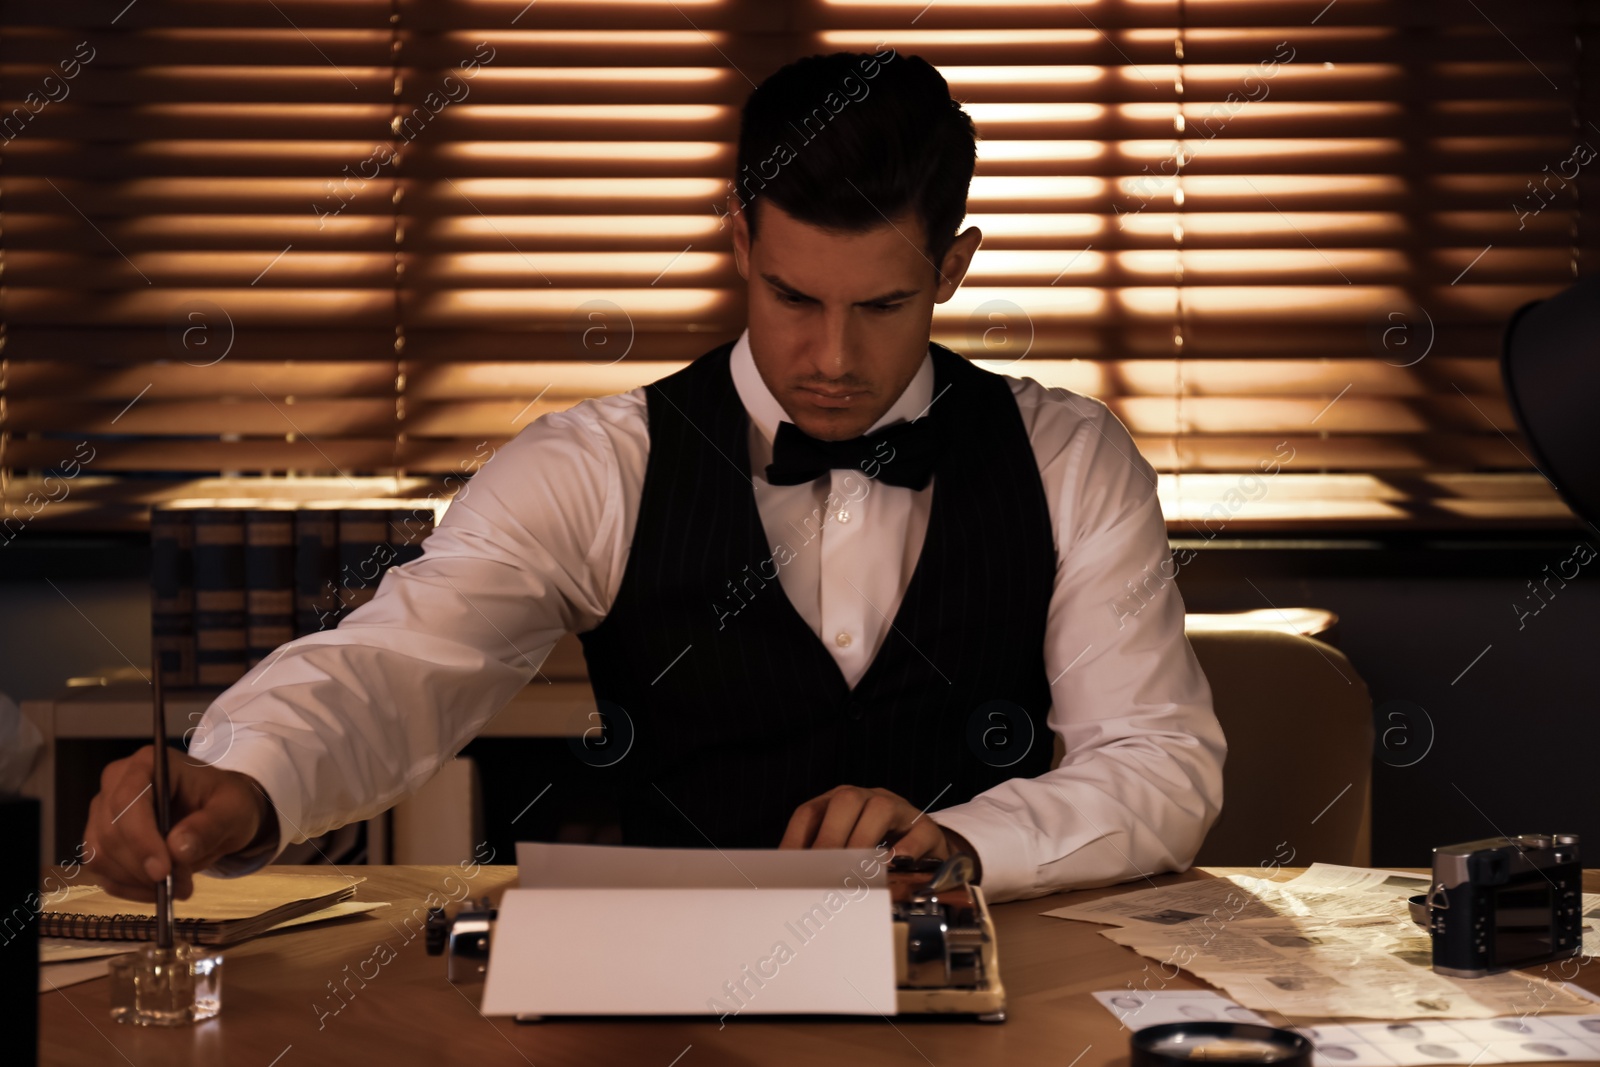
x=1390, y=159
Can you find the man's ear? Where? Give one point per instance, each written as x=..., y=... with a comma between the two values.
x=741, y=236
x=953, y=269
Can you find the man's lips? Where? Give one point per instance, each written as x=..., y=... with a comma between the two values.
x=831, y=401
x=830, y=394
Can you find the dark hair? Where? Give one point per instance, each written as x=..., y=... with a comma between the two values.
x=843, y=141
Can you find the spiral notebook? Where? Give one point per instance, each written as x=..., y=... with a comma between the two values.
x=221, y=911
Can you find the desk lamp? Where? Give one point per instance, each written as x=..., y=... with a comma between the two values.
x=1551, y=367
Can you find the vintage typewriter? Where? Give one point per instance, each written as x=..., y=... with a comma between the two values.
x=946, y=961
x=945, y=957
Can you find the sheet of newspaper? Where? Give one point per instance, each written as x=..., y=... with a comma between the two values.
x=1334, y=942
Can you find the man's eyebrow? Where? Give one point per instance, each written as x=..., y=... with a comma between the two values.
x=898, y=294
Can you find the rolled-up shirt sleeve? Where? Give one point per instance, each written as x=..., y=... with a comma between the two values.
x=338, y=725
x=1140, y=782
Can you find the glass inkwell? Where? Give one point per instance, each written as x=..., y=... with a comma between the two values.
x=168, y=982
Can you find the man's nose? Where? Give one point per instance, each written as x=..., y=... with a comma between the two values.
x=835, y=353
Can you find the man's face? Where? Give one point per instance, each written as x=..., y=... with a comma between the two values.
x=839, y=323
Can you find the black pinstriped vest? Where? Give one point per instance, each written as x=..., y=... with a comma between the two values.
x=738, y=718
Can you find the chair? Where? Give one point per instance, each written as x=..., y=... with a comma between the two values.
x=1298, y=719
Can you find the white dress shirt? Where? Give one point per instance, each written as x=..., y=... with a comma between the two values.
x=339, y=725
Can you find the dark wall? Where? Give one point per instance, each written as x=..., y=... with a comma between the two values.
x=72, y=606
x=1470, y=745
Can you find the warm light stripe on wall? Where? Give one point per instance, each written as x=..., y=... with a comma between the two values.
x=1322, y=259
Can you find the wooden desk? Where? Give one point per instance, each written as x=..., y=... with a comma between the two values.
x=276, y=990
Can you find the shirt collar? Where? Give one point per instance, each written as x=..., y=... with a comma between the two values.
x=766, y=413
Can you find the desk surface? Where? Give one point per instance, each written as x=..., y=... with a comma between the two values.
x=279, y=1009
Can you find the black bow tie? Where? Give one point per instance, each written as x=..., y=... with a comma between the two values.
x=901, y=454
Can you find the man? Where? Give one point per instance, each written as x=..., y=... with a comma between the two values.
x=843, y=586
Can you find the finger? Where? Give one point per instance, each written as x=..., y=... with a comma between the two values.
x=924, y=838
x=100, y=869
x=878, y=818
x=844, y=810
x=202, y=838
x=803, y=824
x=216, y=814
x=98, y=872
x=129, y=847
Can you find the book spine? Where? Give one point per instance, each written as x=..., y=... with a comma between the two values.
x=219, y=596
x=364, y=554
x=172, y=596
x=269, y=581
x=408, y=528
x=316, y=570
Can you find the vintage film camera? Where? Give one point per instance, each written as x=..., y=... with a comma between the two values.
x=1505, y=902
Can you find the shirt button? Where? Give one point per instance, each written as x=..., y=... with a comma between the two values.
x=842, y=639
x=842, y=515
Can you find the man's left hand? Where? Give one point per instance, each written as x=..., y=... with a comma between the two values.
x=849, y=816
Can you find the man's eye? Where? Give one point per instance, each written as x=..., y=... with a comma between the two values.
x=793, y=301
x=886, y=307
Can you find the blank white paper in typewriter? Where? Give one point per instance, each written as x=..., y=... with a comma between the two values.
x=603, y=930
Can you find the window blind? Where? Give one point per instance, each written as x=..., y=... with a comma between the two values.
x=267, y=249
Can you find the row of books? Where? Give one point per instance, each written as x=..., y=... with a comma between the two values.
x=231, y=585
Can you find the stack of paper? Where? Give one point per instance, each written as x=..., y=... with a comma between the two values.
x=1335, y=942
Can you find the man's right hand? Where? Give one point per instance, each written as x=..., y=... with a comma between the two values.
x=215, y=813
